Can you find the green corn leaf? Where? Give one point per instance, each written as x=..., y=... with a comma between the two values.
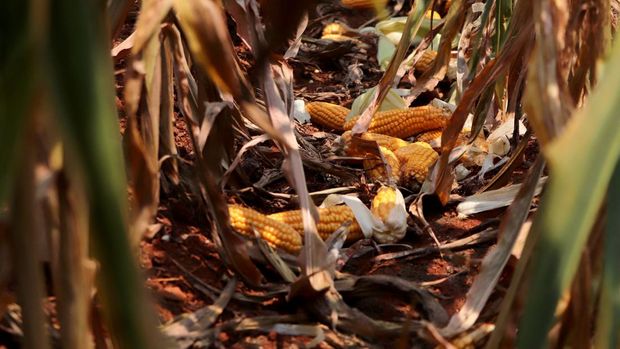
x=608, y=321
x=581, y=162
x=82, y=87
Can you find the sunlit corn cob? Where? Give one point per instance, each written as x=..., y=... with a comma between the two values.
x=376, y=170
x=403, y=123
x=415, y=159
x=335, y=28
x=362, y=4
x=389, y=206
x=327, y=114
x=413, y=149
x=277, y=234
x=330, y=219
x=336, y=31
x=383, y=202
x=432, y=15
x=426, y=61
x=429, y=135
x=389, y=142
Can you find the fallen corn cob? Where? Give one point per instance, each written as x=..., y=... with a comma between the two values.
x=426, y=61
x=335, y=28
x=327, y=114
x=391, y=143
x=376, y=169
x=362, y=4
x=330, y=219
x=429, y=136
x=432, y=15
x=403, y=123
x=383, y=202
x=389, y=206
x=245, y=221
x=337, y=31
x=415, y=160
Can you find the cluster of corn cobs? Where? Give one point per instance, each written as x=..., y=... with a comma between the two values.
x=284, y=230
x=397, y=162
x=401, y=162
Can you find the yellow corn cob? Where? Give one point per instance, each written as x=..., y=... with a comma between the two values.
x=383, y=202
x=391, y=143
x=327, y=114
x=336, y=28
x=337, y=32
x=405, y=123
x=415, y=160
x=376, y=170
x=429, y=135
x=362, y=4
x=426, y=61
x=245, y=221
x=330, y=219
x=389, y=206
x=432, y=15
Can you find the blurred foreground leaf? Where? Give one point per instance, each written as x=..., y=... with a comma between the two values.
x=581, y=161
x=608, y=322
x=16, y=83
x=83, y=89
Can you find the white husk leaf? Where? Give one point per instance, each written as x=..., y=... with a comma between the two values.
x=390, y=32
x=492, y=199
x=392, y=229
x=299, y=111
x=461, y=172
x=499, y=139
x=366, y=220
x=392, y=100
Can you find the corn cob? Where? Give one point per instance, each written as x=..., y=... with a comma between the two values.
x=383, y=202
x=389, y=206
x=337, y=28
x=391, y=143
x=405, y=123
x=330, y=219
x=415, y=161
x=337, y=32
x=376, y=169
x=426, y=61
x=245, y=221
x=429, y=136
x=432, y=15
x=362, y=4
x=327, y=114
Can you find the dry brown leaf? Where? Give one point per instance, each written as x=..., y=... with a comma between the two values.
x=152, y=13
